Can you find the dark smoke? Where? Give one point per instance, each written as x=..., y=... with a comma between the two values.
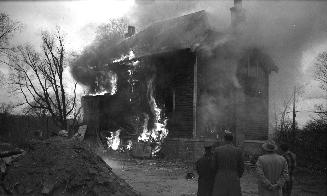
x=89, y=68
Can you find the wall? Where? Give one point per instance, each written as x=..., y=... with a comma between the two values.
x=90, y=105
x=185, y=149
x=172, y=75
x=180, y=65
x=252, y=103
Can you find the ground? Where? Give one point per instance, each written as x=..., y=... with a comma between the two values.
x=168, y=178
x=59, y=167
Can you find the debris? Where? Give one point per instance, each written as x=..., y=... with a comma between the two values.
x=63, y=133
x=8, y=153
x=141, y=150
x=60, y=166
x=80, y=133
x=189, y=175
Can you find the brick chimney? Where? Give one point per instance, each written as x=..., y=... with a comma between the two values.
x=130, y=32
x=237, y=14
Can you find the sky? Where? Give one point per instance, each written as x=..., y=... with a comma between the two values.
x=292, y=32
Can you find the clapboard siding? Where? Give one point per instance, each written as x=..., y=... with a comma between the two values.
x=183, y=83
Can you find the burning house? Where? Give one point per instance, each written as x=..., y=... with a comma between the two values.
x=182, y=81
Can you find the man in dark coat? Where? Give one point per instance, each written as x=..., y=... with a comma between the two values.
x=206, y=176
x=291, y=163
x=228, y=166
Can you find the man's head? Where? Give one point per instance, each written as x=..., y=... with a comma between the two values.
x=269, y=146
x=284, y=147
x=207, y=149
x=228, y=137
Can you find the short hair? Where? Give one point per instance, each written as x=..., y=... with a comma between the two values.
x=284, y=147
x=228, y=137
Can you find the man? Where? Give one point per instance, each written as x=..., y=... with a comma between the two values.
x=228, y=166
x=272, y=171
x=206, y=176
x=291, y=163
x=217, y=143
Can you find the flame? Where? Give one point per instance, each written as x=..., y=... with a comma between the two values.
x=129, y=145
x=112, y=79
x=113, y=82
x=114, y=141
x=128, y=56
x=145, y=136
x=99, y=93
x=159, y=131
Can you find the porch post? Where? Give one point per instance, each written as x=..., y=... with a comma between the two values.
x=195, y=94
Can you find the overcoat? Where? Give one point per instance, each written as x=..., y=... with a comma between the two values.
x=271, y=169
x=206, y=176
x=229, y=167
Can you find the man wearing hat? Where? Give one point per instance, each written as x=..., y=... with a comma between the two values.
x=228, y=166
x=272, y=171
x=206, y=176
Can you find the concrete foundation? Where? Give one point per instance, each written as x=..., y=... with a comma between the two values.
x=185, y=149
x=193, y=148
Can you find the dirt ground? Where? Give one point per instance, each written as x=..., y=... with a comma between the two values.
x=166, y=178
x=59, y=166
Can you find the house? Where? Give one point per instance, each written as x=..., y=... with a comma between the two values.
x=203, y=81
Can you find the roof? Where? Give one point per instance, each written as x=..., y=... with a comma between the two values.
x=177, y=33
x=187, y=31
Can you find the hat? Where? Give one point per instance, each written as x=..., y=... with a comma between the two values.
x=269, y=146
x=227, y=132
x=228, y=136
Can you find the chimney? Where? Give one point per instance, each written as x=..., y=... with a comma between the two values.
x=130, y=32
x=237, y=14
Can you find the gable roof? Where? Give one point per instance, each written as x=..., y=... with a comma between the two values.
x=183, y=32
x=173, y=34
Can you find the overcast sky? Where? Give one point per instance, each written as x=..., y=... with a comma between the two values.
x=293, y=32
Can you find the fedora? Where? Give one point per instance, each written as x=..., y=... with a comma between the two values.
x=269, y=146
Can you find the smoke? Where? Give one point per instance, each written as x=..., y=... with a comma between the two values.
x=283, y=29
x=89, y=68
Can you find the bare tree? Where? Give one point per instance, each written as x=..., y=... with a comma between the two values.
x=286, y=108
x=321, y=70
x=7, y=28
x=321, y=76
x=112, y=31
x=39, y=78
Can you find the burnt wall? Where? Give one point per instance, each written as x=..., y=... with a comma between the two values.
x=171, y=75
x=90, y=105
x=253, y=106
x=175, y=89
x=233, y=94
x=216, y=109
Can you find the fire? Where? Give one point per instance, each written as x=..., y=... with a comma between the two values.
x=99, y=93
x=114, y=141
x=129, y=56
x=113, y=82
x=129, y=145
x=110, y=80
x=159, y=131
x=145, y=136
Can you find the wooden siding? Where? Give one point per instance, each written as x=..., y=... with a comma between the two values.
x=181, y=121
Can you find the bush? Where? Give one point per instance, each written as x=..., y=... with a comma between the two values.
x=309, y=144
